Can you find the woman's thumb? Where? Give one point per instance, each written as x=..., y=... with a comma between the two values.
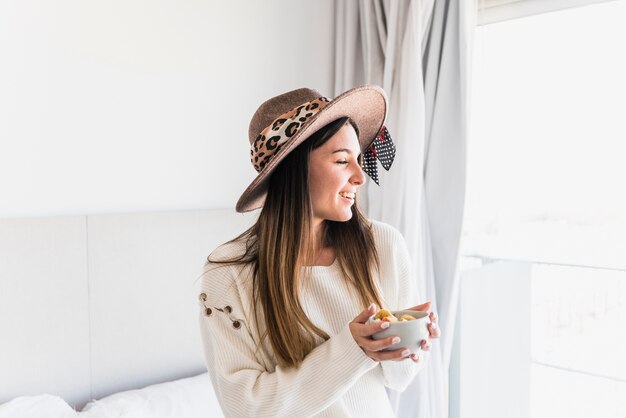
x=365, y=315
x=423, y=307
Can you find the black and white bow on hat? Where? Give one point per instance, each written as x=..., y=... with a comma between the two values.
x=382, y=149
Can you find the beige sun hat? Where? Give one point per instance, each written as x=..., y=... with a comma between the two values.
x=283, y=122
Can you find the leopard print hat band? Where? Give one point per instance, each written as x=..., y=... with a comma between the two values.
x=272, y=138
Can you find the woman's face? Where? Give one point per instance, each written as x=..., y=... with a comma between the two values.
x=335, y=175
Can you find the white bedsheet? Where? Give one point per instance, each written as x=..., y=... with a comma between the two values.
x=39, y=406
x=192, y=397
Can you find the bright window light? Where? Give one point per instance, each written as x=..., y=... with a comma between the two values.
x=547, y=147
x=546, y=183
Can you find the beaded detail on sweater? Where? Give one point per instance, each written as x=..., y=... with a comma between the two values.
x=228, y=310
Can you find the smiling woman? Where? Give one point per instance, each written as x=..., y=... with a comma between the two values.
x=284, y=306
x=335, y=175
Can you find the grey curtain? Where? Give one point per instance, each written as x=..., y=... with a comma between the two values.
x=419, y=52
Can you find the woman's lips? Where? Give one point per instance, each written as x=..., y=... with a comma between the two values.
x=349, y=196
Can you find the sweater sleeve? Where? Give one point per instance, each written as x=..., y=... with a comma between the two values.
x=398, y=375
x=244, y=386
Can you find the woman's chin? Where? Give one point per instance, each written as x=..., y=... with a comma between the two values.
x=339, y=215
x=344, y=217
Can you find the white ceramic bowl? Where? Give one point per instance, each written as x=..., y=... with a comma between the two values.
x=411, y=333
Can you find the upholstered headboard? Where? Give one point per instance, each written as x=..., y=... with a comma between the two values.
x=92, y=305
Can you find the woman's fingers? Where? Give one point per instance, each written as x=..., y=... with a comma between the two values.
x=365, y=315
x=433, y=317
x=377, y=345
x=367, y=330
x=415, y=358
x=433, y=331
x=399, y=354
x=359, y=329
x=423, y=307
x=433, y=327
x=426, y=345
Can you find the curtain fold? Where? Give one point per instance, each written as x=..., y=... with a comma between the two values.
x=418, y=52
x=447, y=70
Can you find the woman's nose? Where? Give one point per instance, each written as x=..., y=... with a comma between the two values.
x=358, y=177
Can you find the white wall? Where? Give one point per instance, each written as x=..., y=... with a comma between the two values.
x=137, y=105
x=490, y=370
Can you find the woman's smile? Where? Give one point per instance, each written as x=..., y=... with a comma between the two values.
x=348, y=196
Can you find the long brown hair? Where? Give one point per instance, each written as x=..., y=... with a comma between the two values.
x=278, y=244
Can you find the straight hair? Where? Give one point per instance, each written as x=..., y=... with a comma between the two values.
x=279, y=243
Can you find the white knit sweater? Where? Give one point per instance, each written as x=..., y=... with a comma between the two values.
x=336, y=379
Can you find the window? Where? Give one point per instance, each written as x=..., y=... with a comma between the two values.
x=546, y=153
x=546, y=203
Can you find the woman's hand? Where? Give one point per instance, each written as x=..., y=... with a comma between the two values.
x=433, y=328
x=362, y=332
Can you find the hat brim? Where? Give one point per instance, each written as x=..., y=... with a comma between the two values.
x=365, y=105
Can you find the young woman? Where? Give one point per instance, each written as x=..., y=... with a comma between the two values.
x=284, y=306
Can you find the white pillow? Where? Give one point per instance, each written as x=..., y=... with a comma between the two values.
x=192, y=397
x=40, y=406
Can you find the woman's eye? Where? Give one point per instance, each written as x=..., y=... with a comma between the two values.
x=342, y=162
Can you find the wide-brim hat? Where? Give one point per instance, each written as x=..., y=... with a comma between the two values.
x=283, y=122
